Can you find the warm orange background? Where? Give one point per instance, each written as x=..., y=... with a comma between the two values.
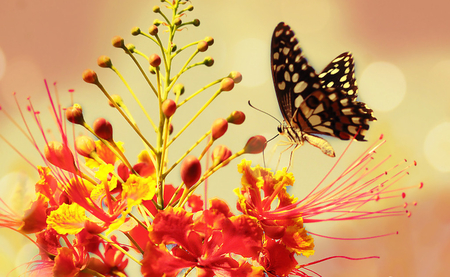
x=408, y=92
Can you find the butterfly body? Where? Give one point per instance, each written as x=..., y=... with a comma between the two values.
x=312, y=103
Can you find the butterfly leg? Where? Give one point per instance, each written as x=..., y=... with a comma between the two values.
x=290, y=156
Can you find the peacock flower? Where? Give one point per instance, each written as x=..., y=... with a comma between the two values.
x=89, y=189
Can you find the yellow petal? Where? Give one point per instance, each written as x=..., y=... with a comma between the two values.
x=67, y=219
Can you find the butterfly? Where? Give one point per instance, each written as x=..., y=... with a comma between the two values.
x=314, y=103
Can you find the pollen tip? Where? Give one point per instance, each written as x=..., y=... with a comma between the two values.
x=71, y=90
x=415, y=163
x=403, y=195
x=381, y=136
x=421, y=185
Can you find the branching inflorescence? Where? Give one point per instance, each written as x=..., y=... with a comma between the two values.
x=89, y=188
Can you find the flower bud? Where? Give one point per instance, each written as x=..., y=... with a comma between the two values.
x=177, y=21
x=74, y=114
x=85, y=146
x=255, y=145
x=156, y=9
x=117, y=99
x=60, y=155
x=208, y=61
x=152, y=70
x=103, y=128
x=220, y=154
x=190, y=8
x=130, y=47
x=123, y=171
x=236, y=76
x=170, y=129
x=168, y=107
x=174, y=47
x=153, y=30
x=202, y=46
x=209, y=40
x=178, y=89
x=157, y=22
x=196, y=22
x=154, y=60
x=135, y=31
x=227, y=84
x=191, y=170
x=104, y=61
x=219, y=127
x=89, y=76
x=118, y=42
x=236, y=117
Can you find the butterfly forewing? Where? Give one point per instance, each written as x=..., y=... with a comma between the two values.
x=316, y=104
x=293, y=77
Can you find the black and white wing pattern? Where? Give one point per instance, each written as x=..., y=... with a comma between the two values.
x=314, y=103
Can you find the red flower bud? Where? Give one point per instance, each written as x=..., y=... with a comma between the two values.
x=60, y=155
x=220, y=154
x=89, y=76
x=117, y=99
x=74, y=114
x=202, y=46
x=209, y=40
x=255, y=145
x=118, y=42
x=135, y=31
x=236, y=76
x=85, y=146
x=104, y=61
x=130, y=47
x=153, y=30
x=191, y=170
x=177, y=21
x=169, y=107
x=154, y=60
x=208, y=61
x=170, y=129
x=123, y=171
x=219, y=127
x=227, y=84
x=103, y=128
x=236, y=117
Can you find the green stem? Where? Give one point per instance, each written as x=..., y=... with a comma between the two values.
x=195, y=116
x=135, y=98
x=186, y=153
x=100, y=86
x=198, y=91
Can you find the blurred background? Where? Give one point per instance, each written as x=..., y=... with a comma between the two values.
x=402, y=55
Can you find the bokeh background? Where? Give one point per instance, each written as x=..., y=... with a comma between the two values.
x=402, y=58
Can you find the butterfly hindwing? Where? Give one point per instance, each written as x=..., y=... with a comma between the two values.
x=316, y=104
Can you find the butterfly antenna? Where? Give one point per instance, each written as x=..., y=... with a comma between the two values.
x=250, y=104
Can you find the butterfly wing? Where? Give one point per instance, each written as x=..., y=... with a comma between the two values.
x=340, y=73
x=324, y=104
x=294, y=79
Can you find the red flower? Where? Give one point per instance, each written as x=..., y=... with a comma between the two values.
x=205, y=242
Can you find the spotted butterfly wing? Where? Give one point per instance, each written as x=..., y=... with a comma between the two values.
x=315, y=104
